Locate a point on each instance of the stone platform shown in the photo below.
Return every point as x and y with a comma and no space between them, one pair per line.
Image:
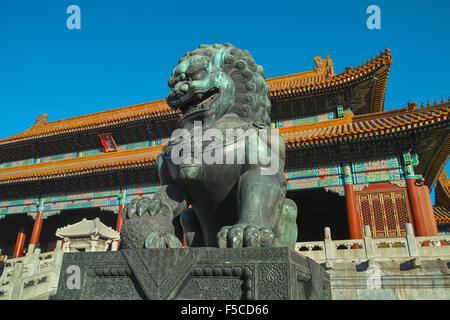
193,273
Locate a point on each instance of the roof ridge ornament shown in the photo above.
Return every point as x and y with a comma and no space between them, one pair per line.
324,66
411,106
41,121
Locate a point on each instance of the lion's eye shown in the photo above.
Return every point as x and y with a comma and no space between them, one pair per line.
198,75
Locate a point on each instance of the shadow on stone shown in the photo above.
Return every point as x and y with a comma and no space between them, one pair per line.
410,264
363,266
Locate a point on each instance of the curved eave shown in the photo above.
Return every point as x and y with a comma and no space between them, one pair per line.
94,121
438,163
346,129
282,88
442,190
81,166
441,214
362,126
380,125
380,89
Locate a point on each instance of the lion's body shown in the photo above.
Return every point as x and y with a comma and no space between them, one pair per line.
237,203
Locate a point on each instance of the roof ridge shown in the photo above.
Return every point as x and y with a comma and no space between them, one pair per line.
402,111
321,76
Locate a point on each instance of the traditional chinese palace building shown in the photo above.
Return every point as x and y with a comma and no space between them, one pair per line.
350,163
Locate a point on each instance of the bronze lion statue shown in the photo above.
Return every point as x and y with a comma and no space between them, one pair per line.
220,91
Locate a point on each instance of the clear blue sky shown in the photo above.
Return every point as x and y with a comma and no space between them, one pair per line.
125,50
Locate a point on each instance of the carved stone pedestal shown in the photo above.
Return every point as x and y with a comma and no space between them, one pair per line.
193,273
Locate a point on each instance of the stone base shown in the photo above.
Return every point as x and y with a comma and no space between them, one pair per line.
193,273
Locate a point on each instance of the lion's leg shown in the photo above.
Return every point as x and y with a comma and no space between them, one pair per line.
260,198
286,229
149,222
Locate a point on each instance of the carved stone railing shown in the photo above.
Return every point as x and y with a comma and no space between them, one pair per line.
368,247
31,277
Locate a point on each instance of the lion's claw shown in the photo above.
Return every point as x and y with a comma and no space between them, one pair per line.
222,237
239,236
235,237
162,239
138,207
252,236
154,207
267,237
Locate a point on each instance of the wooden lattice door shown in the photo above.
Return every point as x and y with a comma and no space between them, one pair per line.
385,212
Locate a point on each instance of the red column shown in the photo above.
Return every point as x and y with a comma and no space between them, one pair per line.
122,203
19,243
419,213
413,196
354,222
427,209
36,228
119,222
352,212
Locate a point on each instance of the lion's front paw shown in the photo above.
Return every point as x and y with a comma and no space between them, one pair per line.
137,207
162,239
147,223
241,235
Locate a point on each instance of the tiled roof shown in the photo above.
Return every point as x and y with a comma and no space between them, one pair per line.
433,156
347,128
442,190
86,228
441,214
322,78
90,121
84,165
353,127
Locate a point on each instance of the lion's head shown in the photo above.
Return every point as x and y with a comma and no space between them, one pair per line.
214,80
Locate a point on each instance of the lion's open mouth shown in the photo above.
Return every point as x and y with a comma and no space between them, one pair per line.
199,102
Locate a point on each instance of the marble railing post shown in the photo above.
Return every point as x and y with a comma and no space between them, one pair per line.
16,282
114,245
369,246
330,250
411,241
59,244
